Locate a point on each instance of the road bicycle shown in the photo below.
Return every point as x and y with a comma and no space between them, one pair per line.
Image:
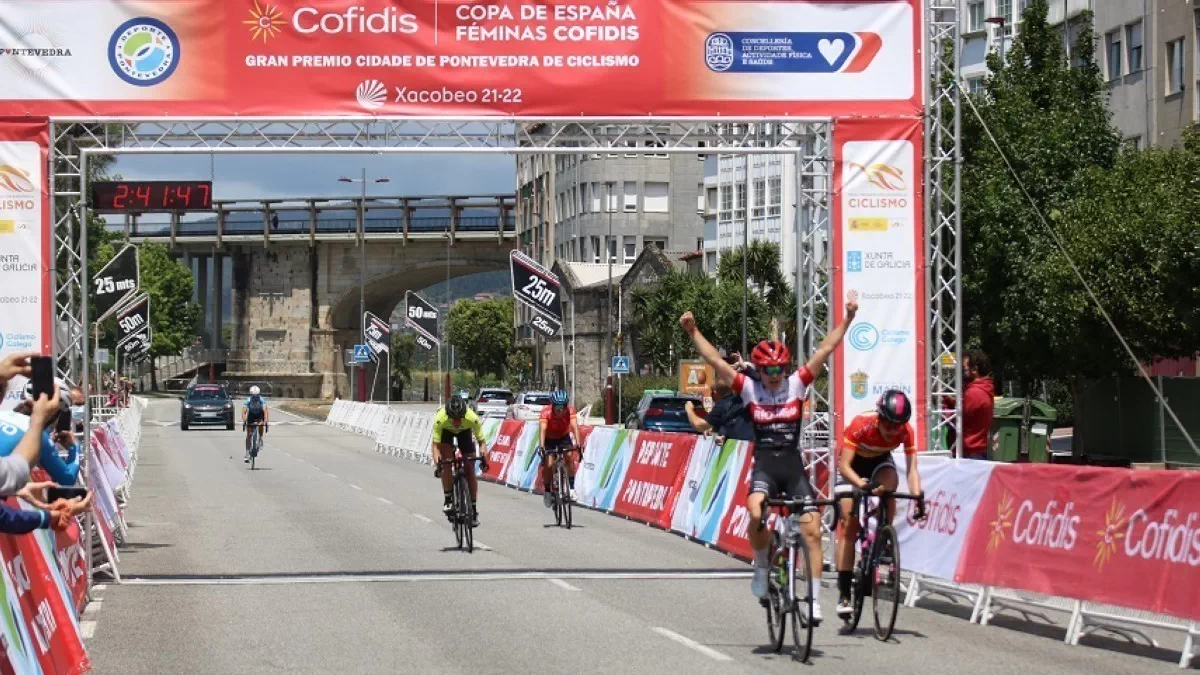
789,589
877,568
255,441
560,487
460,514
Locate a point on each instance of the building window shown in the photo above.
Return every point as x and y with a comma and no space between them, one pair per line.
612,249
700,198
612,196
1133,143
739,201
630,196
595,249
660,244
759,207
1004,11
1133,38
584,202
630,246
656,199
1174,67
775,195
974,85
726,202
1112,43
975,16
597,195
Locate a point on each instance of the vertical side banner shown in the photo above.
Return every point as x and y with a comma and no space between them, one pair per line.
25,232
878,250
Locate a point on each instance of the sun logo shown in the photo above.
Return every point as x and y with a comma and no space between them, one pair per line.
1002,522
264,22
15,179
1114,523
883,176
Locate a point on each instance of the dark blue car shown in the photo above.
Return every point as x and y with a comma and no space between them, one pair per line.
664,411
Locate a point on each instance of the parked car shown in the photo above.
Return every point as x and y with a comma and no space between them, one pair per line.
663,410
493,402
206,404
528,406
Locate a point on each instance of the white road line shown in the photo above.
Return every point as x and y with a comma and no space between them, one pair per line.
421,518
409,577
482,546
87,629
563,585
100,587
385,501
692,644
331,475
354,486
93,607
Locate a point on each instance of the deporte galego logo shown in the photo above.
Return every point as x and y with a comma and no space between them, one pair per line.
144,51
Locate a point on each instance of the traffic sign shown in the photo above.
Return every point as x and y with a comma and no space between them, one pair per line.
362,353
379,335
421,317
101,355
116,283
620,365
538,288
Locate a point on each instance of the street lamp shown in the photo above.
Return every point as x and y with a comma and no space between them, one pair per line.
1001,22
362,252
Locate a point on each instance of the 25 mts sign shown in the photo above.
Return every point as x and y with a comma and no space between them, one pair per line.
539,289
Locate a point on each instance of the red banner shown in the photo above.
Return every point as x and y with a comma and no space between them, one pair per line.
655,477
57,644
68,550
1127,538
425,57
733,535
500,454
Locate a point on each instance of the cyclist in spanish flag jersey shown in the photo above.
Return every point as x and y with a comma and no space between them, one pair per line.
776,405
559,429
865,458
455,423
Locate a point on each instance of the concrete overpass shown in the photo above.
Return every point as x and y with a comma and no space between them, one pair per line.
286,272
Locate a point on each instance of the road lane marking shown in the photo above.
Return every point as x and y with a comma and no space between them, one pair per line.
87,629
692,644
482,546
385,501
330,475
413,576
563,585
93,607
354,486
421,518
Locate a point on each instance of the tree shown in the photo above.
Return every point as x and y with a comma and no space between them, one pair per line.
482,333
404,349
763,269
1052,122
519,367
173,315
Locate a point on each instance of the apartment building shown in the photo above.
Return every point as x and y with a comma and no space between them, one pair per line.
758,205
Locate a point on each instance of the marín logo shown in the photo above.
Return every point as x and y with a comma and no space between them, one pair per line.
858,384
371,94
1002,522
264,22
1114,522
143,51
883,176
15,179
718,52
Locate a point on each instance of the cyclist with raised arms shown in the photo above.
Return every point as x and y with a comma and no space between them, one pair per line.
865,460
456,423
559,429
775,403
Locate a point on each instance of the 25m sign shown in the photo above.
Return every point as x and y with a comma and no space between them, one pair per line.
117,282
540,289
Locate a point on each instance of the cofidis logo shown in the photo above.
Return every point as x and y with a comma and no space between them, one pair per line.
267,21
144,51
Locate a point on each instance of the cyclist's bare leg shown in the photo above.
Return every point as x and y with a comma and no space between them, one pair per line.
890,480
844,549
472,482
547,471
573,462
810,528
446,452
759,539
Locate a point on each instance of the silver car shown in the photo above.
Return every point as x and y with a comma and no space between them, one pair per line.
528,406
493,402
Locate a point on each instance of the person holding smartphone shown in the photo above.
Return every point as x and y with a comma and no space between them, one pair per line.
43,420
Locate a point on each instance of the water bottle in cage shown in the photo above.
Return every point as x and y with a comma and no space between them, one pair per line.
793,528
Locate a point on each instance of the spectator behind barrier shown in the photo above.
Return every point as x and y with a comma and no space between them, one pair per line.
22,445
728,417
979,404
55,430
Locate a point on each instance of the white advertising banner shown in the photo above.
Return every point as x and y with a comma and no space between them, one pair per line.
24,245
953,489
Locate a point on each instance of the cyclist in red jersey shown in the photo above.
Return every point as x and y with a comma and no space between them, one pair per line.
865,458
559,428
776,405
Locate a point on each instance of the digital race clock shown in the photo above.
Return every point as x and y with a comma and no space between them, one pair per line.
146,196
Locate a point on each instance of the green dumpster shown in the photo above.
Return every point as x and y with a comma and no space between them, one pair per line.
1010,424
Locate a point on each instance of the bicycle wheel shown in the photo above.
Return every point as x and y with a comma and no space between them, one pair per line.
564,493
885,581
774,603
556,496
464,512
253,448
858,593
801,598
456,514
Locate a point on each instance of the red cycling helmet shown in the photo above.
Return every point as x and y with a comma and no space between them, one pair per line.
770,353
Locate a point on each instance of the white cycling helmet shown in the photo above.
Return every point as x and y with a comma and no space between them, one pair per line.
255,391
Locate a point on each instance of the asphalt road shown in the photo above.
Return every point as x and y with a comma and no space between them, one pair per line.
333,558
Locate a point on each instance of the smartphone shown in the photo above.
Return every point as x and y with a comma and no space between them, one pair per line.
43,376
56,493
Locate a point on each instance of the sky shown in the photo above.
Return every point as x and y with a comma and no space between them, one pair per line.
255,176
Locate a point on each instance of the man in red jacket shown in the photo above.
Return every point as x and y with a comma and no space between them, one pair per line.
978,404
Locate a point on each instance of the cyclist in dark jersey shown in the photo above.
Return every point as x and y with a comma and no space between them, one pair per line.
776,404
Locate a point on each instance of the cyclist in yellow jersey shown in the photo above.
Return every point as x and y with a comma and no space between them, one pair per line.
455,423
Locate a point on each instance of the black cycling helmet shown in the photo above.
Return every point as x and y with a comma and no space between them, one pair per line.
456,407
894,407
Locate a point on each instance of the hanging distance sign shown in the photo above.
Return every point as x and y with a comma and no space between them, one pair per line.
116,282
422,318
134,318
539,289
378,335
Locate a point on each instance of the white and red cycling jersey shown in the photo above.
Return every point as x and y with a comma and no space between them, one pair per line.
776,414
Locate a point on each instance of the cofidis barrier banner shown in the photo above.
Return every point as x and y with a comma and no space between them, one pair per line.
457,57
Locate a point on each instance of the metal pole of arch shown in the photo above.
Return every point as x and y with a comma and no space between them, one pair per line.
746,256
